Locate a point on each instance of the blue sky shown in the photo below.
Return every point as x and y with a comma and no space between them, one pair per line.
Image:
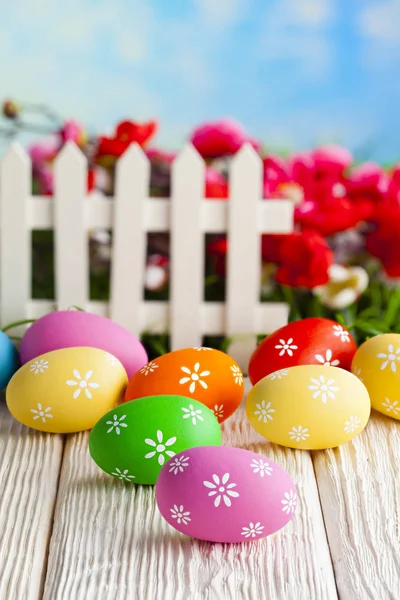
295,72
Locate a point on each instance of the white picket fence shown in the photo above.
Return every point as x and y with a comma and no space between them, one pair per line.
130,214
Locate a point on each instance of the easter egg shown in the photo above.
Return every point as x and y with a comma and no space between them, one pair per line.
312,341
204,374
66,390
133,441
73,328
9,359
309,406
377,364
225,494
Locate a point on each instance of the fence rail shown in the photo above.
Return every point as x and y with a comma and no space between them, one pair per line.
130,214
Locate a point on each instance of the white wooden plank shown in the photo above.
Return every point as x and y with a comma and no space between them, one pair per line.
359,488
244,253
29,467
129,238
15,237
186,249
109,540
71,240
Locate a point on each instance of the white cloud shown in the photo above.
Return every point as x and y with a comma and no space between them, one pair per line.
221,13
312,13
380,21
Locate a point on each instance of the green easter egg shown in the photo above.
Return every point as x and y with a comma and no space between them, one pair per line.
133,441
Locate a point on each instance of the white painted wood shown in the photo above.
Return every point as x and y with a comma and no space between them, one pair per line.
71,241
359,486
29,467
15,237
129,241
186,249
110,542
244,253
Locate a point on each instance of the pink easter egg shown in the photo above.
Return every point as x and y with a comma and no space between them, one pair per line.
228,495
76,328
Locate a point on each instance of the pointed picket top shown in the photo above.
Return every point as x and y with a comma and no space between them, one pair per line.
15,157
188,158
133,159
246,158
70,155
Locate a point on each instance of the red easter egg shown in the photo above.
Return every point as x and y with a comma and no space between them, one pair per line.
312,341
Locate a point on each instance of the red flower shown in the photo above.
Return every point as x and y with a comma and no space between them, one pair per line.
218,249
304,260
275,175
126,133
383,242
216,185
328,217
220,138
332,159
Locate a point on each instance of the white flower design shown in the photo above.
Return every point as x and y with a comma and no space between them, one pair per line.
180,515
237,374
278,374
327,360
357,373
264,411
391,406
38,366
116,424
221,489
219,411
259,466
252,530
160,447
390,358
338,331
199,348
192,413
149,368
194,377
111,359
299,434
179,464
123,475
286,347
289,502
83,384
42,413
351,425
323,388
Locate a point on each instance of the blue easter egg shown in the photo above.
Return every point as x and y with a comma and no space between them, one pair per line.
9,360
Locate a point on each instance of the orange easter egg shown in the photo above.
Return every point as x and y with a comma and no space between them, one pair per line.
204,374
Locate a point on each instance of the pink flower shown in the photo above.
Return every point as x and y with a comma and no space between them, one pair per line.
220,138
72,132
45,180
216,185
275,175
43,152
160,155
301,169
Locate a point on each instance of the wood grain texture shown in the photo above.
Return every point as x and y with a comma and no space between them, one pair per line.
359,485
29,467
110,542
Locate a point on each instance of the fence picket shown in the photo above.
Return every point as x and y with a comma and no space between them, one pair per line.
15,236
71,240
187,249
129,241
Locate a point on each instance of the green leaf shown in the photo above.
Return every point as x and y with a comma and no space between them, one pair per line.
392,308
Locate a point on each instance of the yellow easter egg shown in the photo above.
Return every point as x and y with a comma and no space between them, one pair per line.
67,390
377,364
309,406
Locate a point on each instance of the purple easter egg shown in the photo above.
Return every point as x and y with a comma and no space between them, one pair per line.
221,494
76,328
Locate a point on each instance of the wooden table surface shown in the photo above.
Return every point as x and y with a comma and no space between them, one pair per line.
68,531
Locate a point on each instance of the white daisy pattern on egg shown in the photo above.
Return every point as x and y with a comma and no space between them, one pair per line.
179,464
218,411
278,374
160,447
194,377
261,467
252,530
39,366
179,513
111,359
193,414
357,372
221,489
389,358
237,374
82,384
286,347
116,424
200,348
327,359
323,389
299,434
338,331
289,502
123,475
40,412
264,411
352,424
149,368
391,407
